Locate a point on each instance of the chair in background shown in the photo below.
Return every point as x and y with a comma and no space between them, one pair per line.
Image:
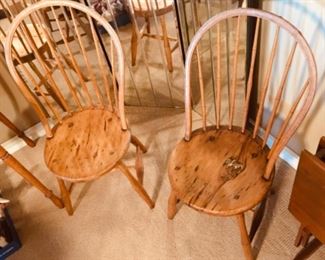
12,8
227,168
13,163
90,134
146,10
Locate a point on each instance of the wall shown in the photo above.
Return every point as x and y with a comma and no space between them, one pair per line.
309,17
13,104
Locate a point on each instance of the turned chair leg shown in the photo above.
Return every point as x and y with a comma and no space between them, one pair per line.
65,197
135,184
172,202
134,45
168,52
244,237
257,219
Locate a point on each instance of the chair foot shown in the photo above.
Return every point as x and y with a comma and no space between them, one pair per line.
136,142
246,245
257,219
135,184
172,202
65,197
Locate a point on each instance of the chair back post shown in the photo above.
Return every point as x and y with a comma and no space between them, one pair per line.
32,13
298,109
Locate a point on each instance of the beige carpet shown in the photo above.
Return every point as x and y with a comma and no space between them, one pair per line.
112,222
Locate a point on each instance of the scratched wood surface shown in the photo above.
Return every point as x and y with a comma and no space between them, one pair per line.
219,172
80,157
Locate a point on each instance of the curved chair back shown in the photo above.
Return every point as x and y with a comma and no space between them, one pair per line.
272,90
76,72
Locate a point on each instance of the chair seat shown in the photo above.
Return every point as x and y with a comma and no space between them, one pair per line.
86,145
219,172
161,7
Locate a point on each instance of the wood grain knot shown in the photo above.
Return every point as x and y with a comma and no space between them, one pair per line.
233,167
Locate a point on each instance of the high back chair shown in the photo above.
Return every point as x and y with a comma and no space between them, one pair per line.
12,8
89,135
146,10
227,168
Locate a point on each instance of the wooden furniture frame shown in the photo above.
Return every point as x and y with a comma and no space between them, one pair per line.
226,169
145,9
12,8
307,200
90,134
13,163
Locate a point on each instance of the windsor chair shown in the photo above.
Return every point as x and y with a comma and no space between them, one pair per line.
146,9
89,136
227,168
12,8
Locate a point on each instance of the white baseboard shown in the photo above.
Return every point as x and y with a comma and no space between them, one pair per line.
16,143
36,131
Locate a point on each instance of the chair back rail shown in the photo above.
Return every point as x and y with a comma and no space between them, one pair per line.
297,109
74,70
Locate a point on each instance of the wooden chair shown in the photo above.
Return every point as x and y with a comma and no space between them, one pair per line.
13,163
146,9
12,8
90,134
227,169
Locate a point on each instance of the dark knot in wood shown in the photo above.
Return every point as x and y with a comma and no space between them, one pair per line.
234,167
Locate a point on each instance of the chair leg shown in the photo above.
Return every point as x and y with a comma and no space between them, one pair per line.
244,237
147,19
136,142
65,197
168,52
303,236
134,45
172,201
308,250
135,184
139,165
257,219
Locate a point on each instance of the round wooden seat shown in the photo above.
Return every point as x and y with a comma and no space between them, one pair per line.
219,172
161,7
86,145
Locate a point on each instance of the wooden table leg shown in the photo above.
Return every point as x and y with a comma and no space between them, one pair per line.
13,163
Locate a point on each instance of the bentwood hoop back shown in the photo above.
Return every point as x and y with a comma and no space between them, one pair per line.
90,135
226,168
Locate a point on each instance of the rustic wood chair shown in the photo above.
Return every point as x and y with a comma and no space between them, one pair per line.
13,163
12,8
226,169
89,136
146,9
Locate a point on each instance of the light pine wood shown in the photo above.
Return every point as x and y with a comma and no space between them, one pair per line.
234,75
172,201
90,135
18,132
227,169
13,163
219,172
244,237
86,145
146,9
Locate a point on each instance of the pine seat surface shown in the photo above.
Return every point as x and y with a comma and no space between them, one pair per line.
86,145
203,177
